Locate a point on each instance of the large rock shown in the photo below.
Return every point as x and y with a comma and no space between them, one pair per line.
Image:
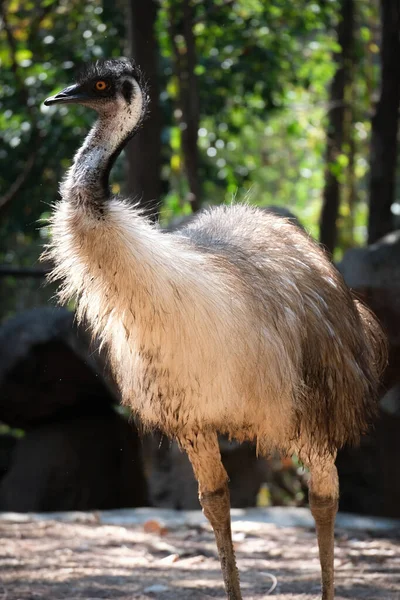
77,452
173,485
374,267
47,368
7,445
374,274
367,477
91,462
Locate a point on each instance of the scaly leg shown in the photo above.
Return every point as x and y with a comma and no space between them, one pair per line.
324,493
203,452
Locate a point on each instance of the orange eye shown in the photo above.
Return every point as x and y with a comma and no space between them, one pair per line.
100,86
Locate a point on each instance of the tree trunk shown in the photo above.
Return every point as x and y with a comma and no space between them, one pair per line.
385,125
185,60
336,126
143,153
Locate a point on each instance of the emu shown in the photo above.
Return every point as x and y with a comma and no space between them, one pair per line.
237,324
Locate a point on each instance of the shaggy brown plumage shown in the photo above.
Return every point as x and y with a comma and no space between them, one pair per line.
237,324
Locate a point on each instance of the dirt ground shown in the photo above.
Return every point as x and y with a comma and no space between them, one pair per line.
90,560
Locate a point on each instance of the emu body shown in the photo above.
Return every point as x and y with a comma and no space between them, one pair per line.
237,324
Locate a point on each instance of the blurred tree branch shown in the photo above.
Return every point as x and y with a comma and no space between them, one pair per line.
209,12
23,94
143,153
41,13
19,182
385,125
22,272
337,131
181,20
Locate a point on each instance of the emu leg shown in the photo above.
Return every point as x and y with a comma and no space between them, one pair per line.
324,492
204,454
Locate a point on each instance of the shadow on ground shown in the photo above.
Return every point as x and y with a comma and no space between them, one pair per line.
53,560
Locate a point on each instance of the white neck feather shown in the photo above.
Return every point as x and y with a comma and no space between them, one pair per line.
87,180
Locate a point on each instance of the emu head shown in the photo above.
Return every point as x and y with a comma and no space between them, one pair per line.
107,86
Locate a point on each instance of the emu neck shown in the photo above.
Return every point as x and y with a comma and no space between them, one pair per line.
87,182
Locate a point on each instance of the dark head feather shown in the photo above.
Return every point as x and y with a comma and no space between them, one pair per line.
110,68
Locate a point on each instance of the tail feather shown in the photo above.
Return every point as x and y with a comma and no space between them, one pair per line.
342,389
377,341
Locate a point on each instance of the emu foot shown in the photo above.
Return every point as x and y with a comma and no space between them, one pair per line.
216,507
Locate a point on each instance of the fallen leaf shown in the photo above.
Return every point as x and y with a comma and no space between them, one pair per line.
153,526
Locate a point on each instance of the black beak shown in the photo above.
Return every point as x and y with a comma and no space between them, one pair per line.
71,94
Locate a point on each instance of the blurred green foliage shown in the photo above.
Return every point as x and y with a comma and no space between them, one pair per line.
264,70
261,66
51,37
